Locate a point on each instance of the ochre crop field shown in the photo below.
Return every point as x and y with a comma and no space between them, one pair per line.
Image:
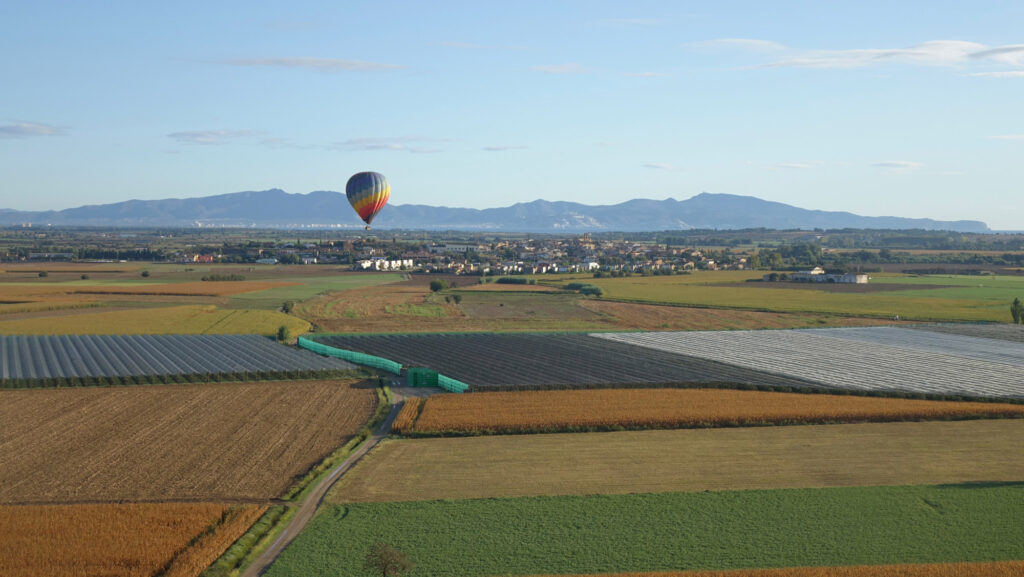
188,319
407,416
118,539
863,454
994,569
246,441
676,408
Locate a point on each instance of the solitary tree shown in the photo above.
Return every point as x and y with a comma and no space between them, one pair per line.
284,334
437,285
1017,310
387,560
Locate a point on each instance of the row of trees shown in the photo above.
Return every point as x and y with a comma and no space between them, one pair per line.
1017,310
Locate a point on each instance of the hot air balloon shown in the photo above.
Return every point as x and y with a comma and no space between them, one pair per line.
367,192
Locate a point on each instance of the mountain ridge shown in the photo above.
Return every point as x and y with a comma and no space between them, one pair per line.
275,208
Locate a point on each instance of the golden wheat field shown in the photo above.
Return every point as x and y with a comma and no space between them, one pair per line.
246,441
675,408
993,569
407,416
174,539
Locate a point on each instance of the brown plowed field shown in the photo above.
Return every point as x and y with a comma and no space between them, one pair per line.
119,539
237,441
994,569
522,411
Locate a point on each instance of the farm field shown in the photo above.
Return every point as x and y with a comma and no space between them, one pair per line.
118,539
687,460
965,301
210,442
306,287
185,319
633,316
915,361
409,306
979,569
535,411
48,357
670,531
488,359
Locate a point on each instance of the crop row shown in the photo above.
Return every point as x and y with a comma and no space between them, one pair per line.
170,539
986,569
526,411
671,531
135,357
533,359
888,359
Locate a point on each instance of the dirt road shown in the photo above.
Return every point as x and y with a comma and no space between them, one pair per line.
309,507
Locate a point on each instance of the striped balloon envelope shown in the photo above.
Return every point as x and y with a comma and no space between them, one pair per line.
367,192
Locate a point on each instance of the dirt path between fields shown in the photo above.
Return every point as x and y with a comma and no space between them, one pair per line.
311,505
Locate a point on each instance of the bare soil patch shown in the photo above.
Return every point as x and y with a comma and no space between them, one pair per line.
237,441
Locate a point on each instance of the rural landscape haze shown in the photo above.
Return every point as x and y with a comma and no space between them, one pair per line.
572,288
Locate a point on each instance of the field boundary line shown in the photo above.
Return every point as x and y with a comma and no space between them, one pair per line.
309,507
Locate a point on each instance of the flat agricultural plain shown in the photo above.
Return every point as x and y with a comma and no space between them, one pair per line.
669,531
979,569
231,441
539,411
129,540
858,358
687,460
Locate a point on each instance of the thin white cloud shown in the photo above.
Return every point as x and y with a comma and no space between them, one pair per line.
648,74
1008,137
659,166
321,64
1012,54
751,44
395,144
502,148
28,130
1001,74
570,68
898,166
215,137
933,53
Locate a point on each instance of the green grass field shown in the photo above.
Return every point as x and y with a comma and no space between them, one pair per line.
970,298
669,531
272,299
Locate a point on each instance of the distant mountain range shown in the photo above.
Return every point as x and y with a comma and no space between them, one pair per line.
276,208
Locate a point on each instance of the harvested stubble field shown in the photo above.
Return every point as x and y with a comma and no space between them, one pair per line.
670,531
530,411
187,319
687,460
679,318
981,569
237,441
123,540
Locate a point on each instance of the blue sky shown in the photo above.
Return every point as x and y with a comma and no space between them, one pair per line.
878,108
